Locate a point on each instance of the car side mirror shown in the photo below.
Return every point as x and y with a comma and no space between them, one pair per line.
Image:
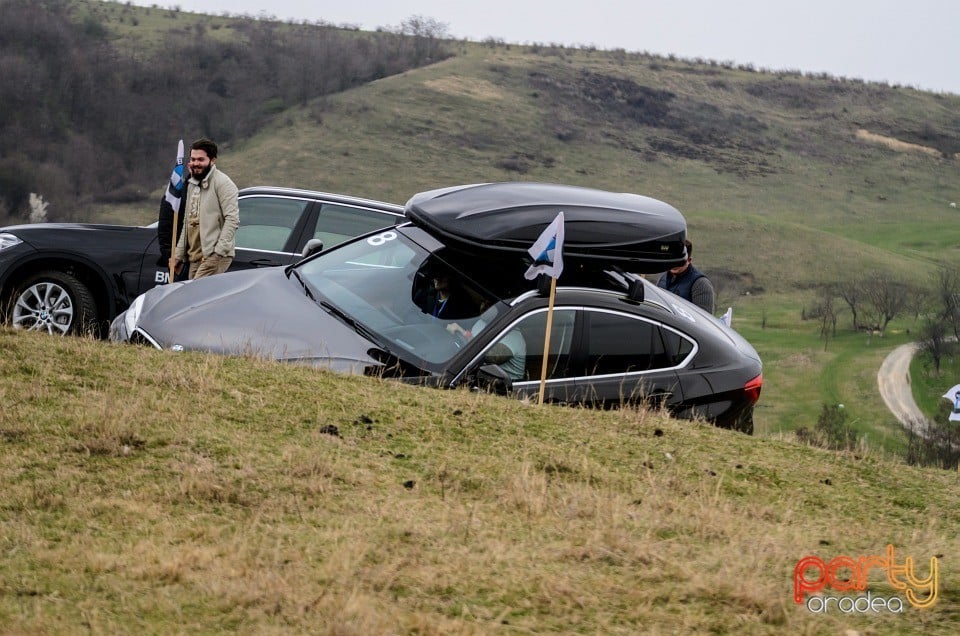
313,246
492,378
498,354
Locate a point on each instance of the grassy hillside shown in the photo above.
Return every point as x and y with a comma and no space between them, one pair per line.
725,157
157,492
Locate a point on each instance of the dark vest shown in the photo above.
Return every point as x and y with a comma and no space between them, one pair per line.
681,285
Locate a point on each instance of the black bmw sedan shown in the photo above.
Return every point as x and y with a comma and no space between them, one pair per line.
74,277
419,303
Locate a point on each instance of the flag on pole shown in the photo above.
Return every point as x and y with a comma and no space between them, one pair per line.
547,251
727,317
175,187
954,396
168,226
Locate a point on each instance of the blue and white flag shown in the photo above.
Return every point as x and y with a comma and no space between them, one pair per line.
175,187
727,317
547,251
954,396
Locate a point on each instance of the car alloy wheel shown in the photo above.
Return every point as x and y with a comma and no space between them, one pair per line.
54,302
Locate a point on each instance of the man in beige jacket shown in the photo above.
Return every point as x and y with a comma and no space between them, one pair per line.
212,215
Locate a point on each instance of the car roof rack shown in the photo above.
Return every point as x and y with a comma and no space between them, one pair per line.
631,283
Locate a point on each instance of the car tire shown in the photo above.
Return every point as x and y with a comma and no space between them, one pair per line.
55,302
744,423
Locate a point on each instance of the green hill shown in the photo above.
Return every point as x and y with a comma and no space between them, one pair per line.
157,492
737,165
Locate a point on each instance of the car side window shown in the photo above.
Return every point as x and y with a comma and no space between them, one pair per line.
617,343
677,347
337,223
267,222
528,336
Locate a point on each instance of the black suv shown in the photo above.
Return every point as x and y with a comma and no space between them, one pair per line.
72,277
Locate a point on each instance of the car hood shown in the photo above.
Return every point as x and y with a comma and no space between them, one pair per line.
51,235
260,313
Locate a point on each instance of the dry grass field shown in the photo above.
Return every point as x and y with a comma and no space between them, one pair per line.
155,492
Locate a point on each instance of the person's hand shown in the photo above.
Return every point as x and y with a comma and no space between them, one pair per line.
176,265
456,329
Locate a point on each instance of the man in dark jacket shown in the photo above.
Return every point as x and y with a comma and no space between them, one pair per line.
689,282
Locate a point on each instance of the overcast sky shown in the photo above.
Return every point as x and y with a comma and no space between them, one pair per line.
908,42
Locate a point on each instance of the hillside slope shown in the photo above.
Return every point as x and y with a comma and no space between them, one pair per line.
160,492
740,153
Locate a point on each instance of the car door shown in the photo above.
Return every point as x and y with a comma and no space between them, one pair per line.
627,358
524,339
271,230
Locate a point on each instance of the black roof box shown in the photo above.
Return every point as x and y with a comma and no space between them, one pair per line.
638,233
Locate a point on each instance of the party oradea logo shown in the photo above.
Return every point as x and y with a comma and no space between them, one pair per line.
814,578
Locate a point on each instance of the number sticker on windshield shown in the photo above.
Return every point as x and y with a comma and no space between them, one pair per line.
380,239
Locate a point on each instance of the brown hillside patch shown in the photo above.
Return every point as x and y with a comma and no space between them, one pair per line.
471,87
895,144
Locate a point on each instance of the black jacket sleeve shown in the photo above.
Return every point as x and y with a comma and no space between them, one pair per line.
165,238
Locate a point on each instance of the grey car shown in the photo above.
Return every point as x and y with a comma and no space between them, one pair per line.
369,306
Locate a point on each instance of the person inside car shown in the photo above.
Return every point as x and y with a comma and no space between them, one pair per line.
511,348
443,299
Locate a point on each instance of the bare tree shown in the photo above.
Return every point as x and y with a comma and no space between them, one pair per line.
887,297
933,340
56,70
851,291
825,312
427,34
948,294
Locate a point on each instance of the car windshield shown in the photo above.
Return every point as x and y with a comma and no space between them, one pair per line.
411,300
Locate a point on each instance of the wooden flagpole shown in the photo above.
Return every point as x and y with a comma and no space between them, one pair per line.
546,339
173,246
171,264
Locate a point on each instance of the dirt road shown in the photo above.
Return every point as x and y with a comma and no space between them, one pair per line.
893,379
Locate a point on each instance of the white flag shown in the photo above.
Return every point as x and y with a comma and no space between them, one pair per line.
727,317
547,251
954,396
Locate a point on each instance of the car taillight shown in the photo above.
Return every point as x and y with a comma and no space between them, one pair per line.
752,389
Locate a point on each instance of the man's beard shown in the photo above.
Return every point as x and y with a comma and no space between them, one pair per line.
201,176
